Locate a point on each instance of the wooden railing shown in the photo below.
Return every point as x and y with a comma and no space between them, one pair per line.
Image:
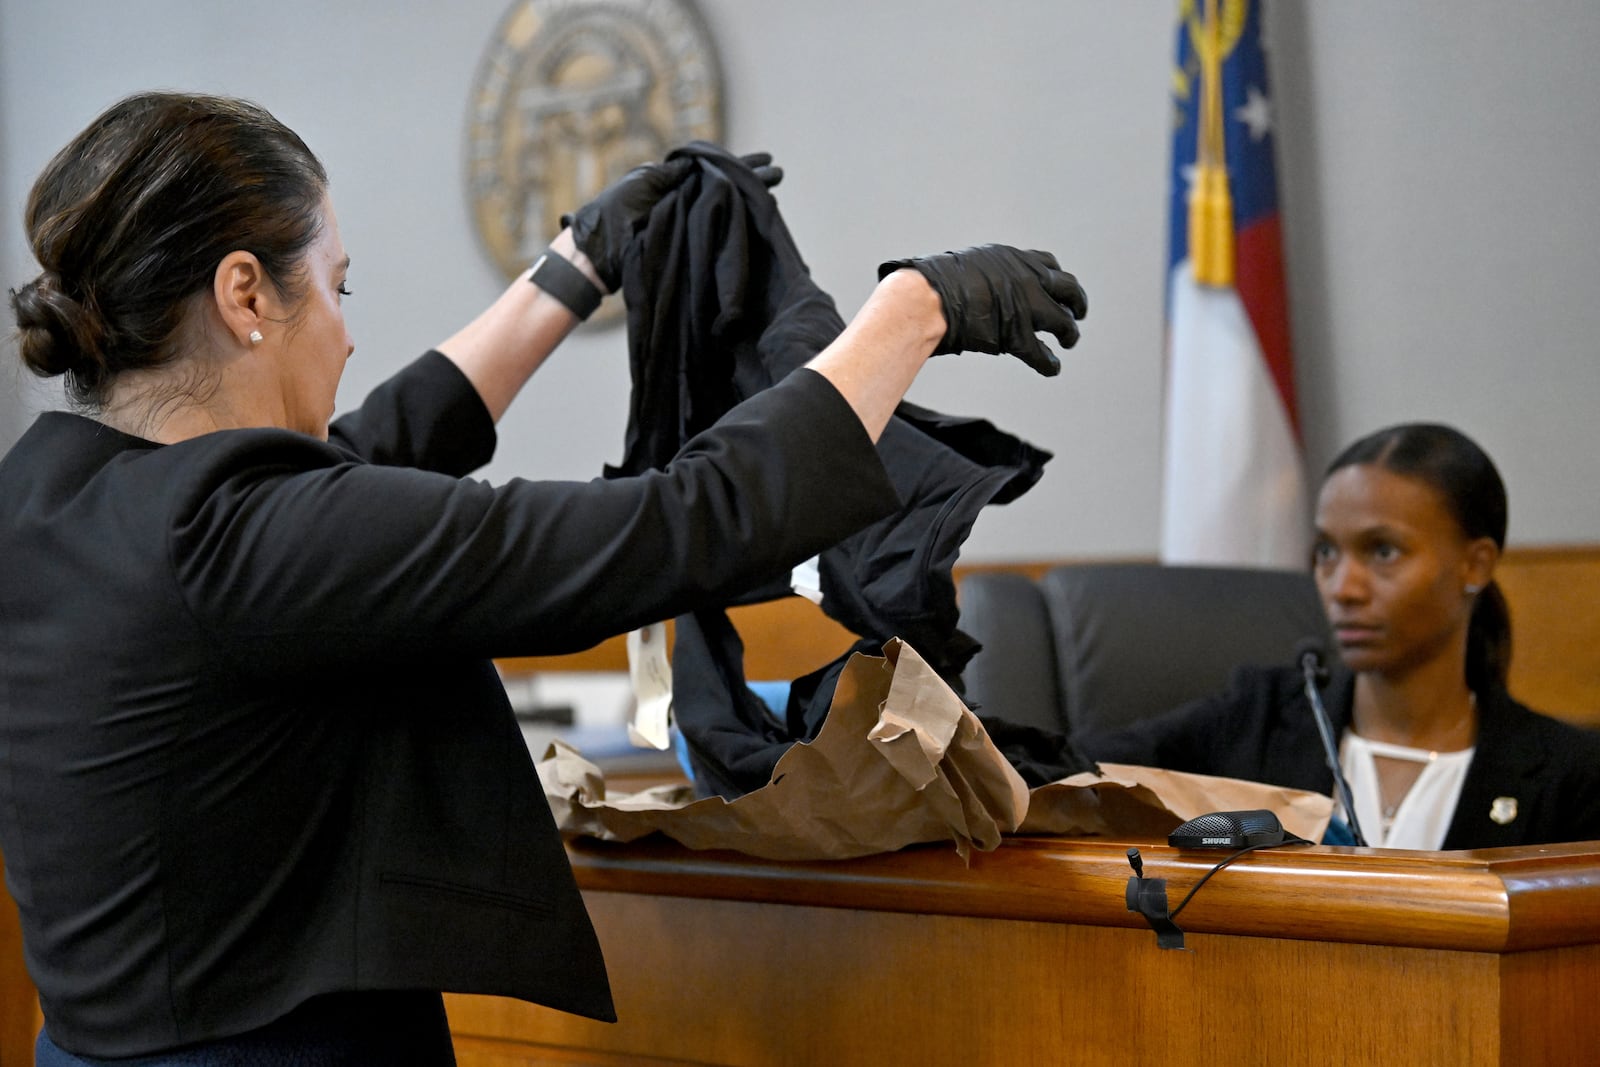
1029,955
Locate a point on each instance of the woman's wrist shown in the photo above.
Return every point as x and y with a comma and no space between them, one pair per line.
558,274
916,302
564,245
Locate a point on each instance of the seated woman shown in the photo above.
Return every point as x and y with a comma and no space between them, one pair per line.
1410,523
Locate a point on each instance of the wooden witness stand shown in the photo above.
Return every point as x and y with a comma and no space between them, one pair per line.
1296,956
1030,956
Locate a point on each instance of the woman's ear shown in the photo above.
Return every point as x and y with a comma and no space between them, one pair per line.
242,292
1482,555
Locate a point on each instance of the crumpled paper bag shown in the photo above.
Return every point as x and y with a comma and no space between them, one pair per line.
901,760
1124,799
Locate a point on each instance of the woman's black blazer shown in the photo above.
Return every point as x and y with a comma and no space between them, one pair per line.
252,744
1533,780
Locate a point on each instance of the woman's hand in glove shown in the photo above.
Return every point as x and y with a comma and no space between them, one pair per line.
996,299
603,228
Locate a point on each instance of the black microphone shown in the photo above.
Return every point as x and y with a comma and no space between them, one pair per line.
1308,655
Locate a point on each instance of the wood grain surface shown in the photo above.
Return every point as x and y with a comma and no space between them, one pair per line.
1319,956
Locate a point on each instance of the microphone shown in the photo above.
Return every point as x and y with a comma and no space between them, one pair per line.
1309,656
1258,828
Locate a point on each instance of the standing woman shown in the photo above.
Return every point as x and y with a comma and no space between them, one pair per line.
1410,521
261,794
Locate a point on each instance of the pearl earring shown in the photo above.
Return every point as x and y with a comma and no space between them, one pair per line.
1472,590
255,337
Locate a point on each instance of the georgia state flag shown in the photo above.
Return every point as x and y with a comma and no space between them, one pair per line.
1233,490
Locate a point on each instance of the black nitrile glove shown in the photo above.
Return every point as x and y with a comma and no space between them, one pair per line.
996,298
761,163
604,226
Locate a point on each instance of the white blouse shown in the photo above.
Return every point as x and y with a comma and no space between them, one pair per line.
1422,817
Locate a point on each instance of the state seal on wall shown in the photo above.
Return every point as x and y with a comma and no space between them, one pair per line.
572,94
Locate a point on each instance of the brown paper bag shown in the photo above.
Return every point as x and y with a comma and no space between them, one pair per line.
1135,801
900,760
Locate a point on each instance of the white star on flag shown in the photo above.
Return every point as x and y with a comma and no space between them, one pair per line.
1256,113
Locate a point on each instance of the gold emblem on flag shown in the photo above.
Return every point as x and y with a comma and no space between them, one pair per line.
1213,34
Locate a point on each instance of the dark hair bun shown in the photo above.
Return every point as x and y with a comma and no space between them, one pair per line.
55,333
131,218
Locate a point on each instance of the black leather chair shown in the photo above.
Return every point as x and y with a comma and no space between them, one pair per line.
1090,647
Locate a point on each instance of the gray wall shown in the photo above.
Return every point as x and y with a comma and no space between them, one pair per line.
1438,162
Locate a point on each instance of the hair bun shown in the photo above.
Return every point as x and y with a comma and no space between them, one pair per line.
57,334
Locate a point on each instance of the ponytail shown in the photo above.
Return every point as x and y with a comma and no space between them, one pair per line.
1489,641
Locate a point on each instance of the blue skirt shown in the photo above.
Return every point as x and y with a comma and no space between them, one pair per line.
335,1030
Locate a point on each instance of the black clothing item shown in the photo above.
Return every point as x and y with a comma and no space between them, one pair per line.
1261,729
253,748
720,307
735,741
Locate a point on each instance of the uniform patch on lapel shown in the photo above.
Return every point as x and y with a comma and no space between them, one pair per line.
1503,810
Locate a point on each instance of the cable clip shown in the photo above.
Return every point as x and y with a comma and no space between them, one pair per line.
1148,897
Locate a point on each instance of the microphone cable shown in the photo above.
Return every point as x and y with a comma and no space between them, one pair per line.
1148,896
1290,840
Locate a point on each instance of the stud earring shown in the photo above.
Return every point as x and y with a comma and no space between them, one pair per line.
255,337
1472,590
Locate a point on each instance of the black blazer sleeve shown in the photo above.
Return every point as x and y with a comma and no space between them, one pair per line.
427,416
297,560
1260,728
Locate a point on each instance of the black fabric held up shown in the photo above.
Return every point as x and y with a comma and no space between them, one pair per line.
720,306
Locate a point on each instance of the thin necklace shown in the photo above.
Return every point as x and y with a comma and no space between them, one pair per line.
1390,810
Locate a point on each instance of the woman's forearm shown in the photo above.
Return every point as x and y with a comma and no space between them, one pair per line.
500,349
878,355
